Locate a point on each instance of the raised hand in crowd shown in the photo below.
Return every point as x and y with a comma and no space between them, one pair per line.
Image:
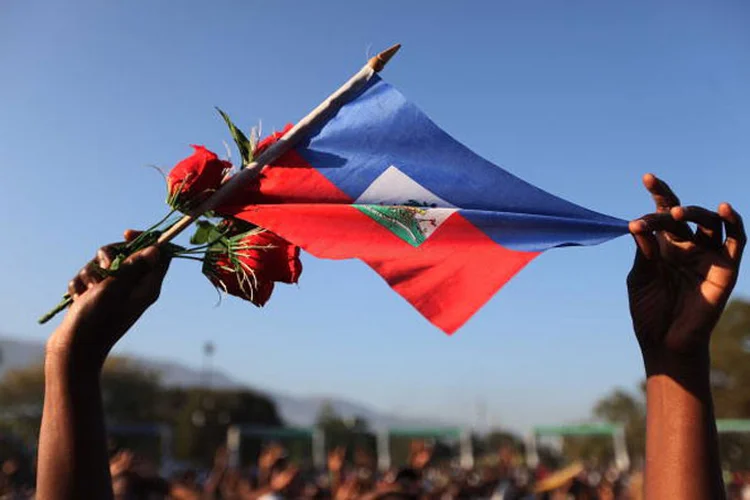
679,284
268,459
218,471
73,461
335,467
420,454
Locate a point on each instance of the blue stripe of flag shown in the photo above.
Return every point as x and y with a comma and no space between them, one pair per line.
381,128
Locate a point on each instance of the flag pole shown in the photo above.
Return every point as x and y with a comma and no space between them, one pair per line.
317,116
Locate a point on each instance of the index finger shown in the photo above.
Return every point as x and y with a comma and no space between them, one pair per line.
664,197
657,222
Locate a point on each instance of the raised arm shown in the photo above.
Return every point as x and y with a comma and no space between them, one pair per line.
73,461
678,287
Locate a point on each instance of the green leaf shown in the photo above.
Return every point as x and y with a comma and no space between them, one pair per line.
202,233
116,263
243,143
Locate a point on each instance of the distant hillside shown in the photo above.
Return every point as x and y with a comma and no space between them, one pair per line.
17,354
295,410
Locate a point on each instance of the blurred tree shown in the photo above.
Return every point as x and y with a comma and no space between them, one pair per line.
621,407
591,449
327,415
21,398
132,395
498,440
730,362
499,447
201,418
352,433
129,395
730,379
629,409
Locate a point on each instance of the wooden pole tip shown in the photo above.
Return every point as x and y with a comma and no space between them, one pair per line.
378,62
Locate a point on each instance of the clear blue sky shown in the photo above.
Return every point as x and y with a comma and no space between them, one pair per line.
580,98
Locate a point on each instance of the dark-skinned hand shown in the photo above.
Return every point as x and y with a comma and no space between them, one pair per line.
681,279
105,307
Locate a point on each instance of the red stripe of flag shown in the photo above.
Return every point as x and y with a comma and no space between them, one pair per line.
447,278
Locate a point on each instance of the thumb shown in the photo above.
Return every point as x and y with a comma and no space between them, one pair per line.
646,262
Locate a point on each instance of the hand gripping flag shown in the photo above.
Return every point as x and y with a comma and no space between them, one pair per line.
380,182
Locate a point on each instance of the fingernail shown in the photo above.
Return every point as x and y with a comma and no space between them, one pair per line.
637,226
677,212
103,261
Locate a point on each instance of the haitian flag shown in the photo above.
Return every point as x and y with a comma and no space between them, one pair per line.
379,181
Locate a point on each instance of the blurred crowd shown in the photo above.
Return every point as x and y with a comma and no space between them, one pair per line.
678,287
274,477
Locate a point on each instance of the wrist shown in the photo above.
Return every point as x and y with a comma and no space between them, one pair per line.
61,353
689,369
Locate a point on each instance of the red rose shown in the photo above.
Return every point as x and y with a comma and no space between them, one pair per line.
252,264
276,259
242,283
193,179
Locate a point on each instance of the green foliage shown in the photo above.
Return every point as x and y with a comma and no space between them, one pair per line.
730,378
132,395
354,434
629,409
201,418
620,407
596,449
21,399
205,231
498,446
497,440
129,395
244,145
730,362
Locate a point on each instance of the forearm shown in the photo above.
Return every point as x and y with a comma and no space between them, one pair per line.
682,454
336,480
264,477
73,461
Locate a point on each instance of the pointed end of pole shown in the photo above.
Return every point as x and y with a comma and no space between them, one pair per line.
378,62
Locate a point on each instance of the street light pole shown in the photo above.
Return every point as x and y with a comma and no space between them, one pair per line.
208,352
